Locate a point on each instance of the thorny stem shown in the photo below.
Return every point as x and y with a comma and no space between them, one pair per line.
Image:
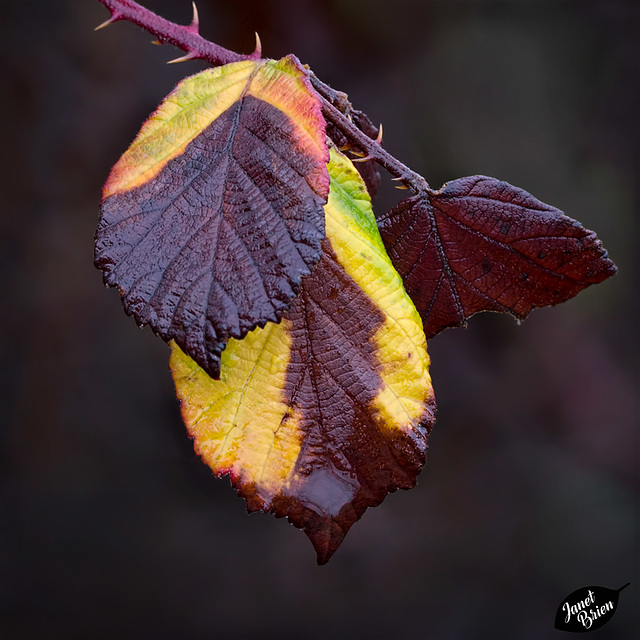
373,149
186,38
336,107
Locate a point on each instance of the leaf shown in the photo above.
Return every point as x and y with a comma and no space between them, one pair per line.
215,212
320,416
587,609
479,244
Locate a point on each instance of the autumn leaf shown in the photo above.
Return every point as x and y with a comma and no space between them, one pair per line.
215,212
320,416
479,244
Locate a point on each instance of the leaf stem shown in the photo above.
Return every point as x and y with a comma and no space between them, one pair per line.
374,151
335,104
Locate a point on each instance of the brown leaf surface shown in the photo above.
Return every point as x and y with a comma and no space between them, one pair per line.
214,214
479,244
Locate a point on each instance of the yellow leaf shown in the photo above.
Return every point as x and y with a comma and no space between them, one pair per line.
320,416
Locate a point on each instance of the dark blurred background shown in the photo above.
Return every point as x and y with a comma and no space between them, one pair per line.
111,527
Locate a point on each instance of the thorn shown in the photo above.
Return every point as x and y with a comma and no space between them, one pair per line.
365,159
184,58
397,179
257,53
156,42
114,18
379,138
401,187
358,154
196,18
345,147
195,21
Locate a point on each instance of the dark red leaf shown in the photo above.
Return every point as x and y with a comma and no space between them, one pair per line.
479,244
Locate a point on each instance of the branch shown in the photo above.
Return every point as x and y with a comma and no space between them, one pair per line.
336,107
186,38
371,147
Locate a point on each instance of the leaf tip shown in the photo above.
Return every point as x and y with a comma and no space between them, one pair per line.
325,540
322,559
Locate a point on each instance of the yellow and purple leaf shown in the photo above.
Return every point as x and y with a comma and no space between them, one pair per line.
480,244
214,214
318,417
